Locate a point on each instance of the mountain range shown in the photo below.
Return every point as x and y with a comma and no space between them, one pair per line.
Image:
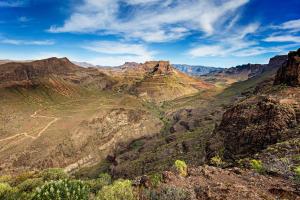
236,129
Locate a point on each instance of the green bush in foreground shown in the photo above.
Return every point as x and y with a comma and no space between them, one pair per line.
257,166
97,184
54,174
181,167
62,190
119,190
30,184
7,192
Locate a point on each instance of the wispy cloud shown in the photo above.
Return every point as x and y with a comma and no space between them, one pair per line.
13,3
116,53
290,25
229,43
150,20
27,42
23,19
283,38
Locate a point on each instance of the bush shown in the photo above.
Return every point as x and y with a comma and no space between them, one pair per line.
7,192
30,184
156,179
257,166
119,190
168,193
181,167
97,184
297,172
216,161
54,174
62,190
5,179
23,177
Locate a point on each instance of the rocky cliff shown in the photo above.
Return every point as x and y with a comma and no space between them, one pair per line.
251,126
289,73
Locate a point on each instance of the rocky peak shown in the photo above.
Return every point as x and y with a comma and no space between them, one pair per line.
159,67
289,73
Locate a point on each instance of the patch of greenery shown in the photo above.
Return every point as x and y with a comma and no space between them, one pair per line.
217,161
54,174
95,185
181,167
156,179
62,190
257,166
297,172
119,190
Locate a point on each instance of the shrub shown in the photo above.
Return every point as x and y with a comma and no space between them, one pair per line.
156,179
30,184
54,174
169,192
97,184
216,161
257,166
23,177
7,192
119,190
297,172
62,190
181,167
6,179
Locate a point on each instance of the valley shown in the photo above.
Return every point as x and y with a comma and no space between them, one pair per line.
136,120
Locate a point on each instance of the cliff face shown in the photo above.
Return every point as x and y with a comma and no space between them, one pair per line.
289,73
251,126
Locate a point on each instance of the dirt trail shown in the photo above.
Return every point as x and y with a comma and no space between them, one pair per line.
25,134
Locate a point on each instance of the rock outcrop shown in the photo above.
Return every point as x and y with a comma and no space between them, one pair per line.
289,73
250,127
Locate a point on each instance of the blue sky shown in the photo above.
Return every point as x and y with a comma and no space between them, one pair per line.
220,33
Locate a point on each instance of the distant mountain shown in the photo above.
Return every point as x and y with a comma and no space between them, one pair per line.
196,70
244,72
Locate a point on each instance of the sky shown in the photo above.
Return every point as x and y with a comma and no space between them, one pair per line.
219,33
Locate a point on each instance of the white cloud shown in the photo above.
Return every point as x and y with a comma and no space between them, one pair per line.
283,38
27,42
12,3
153,20
116,53
228,43
293,24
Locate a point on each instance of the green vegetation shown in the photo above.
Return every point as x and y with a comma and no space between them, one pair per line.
181,167
156,179
216,161
257,166
5,190
95,185
297,172
119,190
54,174
62,190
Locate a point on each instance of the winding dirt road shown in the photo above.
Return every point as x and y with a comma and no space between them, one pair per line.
25,134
